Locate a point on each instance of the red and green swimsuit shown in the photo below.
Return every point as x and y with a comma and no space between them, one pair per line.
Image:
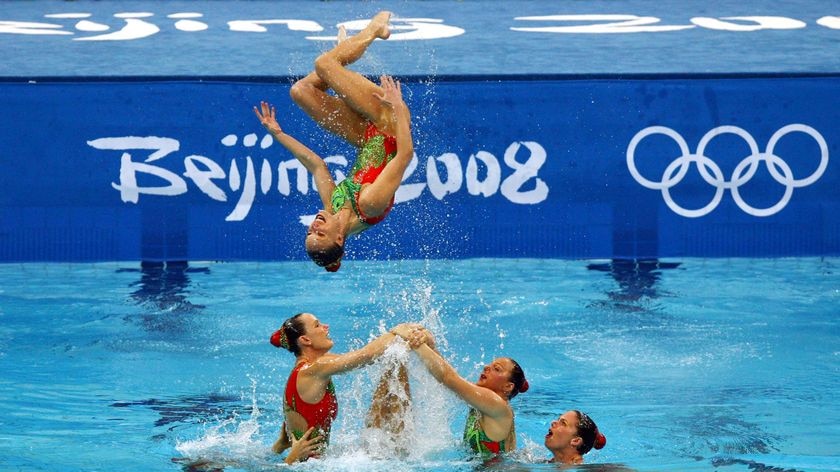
320,415
477,439
376,152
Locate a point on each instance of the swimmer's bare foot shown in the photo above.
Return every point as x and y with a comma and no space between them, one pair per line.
379,24
342,34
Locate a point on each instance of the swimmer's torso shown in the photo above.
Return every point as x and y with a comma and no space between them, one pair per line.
378,149
477,440
301,415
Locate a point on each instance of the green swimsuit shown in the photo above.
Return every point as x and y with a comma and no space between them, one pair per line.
375,154
478,441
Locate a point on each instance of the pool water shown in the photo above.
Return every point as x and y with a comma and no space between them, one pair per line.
692,364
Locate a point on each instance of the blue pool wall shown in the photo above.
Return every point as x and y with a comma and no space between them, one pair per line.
621,129
552,166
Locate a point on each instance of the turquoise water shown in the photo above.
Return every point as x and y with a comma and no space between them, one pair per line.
727,365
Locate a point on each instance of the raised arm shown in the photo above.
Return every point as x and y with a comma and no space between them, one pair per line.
376,197
329,365
482,399
311,161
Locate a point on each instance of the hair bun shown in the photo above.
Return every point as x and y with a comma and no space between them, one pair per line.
333,267
600,441
276,338
525,386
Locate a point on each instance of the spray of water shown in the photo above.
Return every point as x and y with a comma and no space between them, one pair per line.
424,429
232,442
418,437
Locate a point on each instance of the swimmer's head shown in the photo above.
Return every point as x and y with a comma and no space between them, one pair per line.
325,241
288,334
504,376
303,329
329,258
573,431
588,432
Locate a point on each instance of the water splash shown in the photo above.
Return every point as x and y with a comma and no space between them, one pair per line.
424,414
233,441
239,442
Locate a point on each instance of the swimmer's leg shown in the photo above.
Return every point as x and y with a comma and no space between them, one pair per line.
391,400
354,88
349,49
330,112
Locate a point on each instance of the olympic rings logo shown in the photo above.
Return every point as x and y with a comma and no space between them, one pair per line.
712,174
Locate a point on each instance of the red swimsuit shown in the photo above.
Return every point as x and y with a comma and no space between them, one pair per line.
320,415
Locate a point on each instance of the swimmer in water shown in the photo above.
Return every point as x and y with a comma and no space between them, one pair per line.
571,436
309,400
373,118
489,428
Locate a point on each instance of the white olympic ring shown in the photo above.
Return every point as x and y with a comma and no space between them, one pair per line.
712,174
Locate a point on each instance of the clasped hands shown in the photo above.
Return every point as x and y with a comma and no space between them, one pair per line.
414,334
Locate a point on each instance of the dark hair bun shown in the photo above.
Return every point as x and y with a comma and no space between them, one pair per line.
525,386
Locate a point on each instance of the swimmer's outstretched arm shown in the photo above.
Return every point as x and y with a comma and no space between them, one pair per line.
328,365
483,399
311,161
376,197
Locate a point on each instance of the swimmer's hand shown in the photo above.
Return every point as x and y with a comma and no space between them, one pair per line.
420,337
414,334
391,96
268,118
405,330
303,448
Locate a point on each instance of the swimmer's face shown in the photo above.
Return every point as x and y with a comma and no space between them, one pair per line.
563,432
496,376
317,333
324,232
